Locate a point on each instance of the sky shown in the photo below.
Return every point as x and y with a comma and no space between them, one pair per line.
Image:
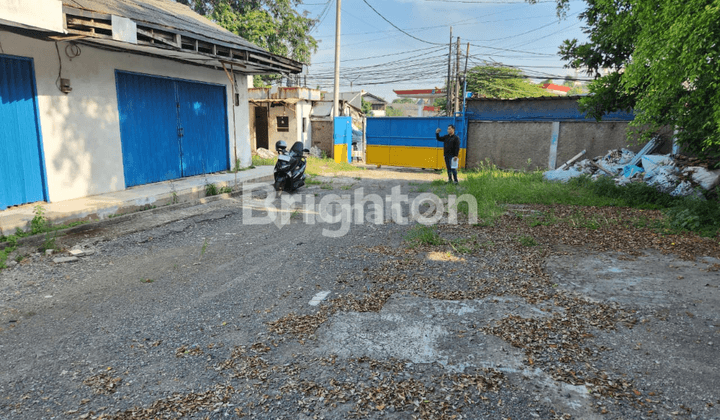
378,57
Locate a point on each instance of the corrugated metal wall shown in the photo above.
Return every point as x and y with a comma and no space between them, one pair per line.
411,142
22,171
203,119
170,128
148,129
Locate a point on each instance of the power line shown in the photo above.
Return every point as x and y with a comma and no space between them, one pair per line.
398,28
384,55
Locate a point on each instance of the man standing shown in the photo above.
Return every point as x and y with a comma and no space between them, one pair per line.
451,149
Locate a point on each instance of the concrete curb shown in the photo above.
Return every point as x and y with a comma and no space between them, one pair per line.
99,217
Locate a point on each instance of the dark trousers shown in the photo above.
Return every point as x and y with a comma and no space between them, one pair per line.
451,172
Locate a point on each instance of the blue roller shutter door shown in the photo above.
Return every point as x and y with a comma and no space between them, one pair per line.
148,129
22,172
170,128
203,123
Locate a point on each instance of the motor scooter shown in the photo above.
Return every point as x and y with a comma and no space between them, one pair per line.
290,167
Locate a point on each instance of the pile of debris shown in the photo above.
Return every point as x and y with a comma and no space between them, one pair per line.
264,153
676,175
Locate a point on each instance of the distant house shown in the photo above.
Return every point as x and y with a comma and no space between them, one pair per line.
377,104
556,89
322,123
100,95
281,114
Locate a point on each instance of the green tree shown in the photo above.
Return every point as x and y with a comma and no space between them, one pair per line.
663,61
393,112
502,82
274,25
403,101
366,107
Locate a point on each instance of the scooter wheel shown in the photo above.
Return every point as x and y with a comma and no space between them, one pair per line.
279,184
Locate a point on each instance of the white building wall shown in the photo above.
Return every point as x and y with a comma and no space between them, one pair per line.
81,130
302,111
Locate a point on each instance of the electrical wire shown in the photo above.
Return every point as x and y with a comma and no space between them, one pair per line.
398,28
57,81
321,16
384,55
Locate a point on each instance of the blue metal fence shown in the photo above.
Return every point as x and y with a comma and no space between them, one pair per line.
411,142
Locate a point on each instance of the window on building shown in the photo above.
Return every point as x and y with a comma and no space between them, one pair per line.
283,123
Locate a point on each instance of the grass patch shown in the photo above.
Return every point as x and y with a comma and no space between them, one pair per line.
318,166
312,181
258,161
526,240
493,188
424,235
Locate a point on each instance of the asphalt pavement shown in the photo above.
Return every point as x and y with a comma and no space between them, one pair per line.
305,307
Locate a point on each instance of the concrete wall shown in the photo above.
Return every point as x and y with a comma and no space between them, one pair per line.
322,135
534,109
508,133
509,145
274,135
81,130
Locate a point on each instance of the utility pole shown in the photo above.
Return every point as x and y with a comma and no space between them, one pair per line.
447,96
467,55
336,94
457,78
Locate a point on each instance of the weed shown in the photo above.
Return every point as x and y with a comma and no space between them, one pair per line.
20,257
49,242
211,189
526,240
326,186
225,190
487,245
238,168
312,181
493,188
175,198
258,161
424,235
39,223
146,280
204,248
4,256
346,187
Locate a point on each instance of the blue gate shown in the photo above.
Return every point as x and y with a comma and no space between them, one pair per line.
22,170
170,128
410,142
342,139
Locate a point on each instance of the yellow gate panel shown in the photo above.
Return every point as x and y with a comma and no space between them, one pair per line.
341,152
377,155
417,157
